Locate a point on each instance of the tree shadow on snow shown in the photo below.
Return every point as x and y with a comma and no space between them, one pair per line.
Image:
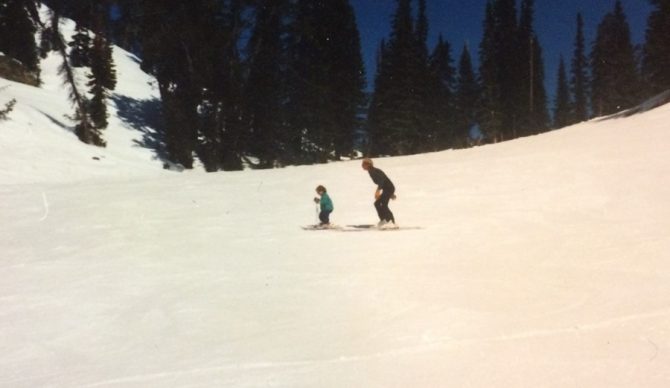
146,117
57,122
649,104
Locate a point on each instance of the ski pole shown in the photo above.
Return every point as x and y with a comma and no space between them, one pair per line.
316,214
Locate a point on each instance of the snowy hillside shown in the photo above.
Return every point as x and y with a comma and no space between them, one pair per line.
38,138
542,262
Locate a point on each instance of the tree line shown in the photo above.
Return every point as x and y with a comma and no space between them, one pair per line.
268,83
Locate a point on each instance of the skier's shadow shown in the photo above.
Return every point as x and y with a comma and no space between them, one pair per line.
146,117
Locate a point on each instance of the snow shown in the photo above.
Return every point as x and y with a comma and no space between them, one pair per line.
37,142
541,262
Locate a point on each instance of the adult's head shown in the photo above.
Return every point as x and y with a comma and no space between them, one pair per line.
367,164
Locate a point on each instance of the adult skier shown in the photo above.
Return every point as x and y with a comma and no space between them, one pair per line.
384,193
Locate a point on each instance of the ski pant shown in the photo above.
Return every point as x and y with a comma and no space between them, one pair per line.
324,216
382,206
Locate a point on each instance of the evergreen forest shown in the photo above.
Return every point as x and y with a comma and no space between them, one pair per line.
270,83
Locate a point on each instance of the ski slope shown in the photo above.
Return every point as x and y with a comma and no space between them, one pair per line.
542,262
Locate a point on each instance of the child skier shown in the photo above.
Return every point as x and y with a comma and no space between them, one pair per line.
325,205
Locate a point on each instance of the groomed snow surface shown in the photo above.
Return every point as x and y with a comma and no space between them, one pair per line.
542,262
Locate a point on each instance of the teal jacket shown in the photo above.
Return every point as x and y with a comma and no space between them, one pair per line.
325,203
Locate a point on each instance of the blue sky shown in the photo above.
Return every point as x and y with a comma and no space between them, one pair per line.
460,21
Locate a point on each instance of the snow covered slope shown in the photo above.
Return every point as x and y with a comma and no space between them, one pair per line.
37,140
542,262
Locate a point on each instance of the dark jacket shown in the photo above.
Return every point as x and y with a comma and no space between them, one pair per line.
381,180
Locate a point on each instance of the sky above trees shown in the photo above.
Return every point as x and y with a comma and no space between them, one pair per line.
461,21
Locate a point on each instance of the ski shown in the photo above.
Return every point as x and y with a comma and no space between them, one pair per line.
359,228
321,227
386,227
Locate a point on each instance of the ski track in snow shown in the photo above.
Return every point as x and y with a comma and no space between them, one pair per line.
46,207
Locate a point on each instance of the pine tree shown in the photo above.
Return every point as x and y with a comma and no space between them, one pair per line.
17,32
199,74
507,54
97,106
539,117
579,81
533,110
168,54
396,125
348,78
615,80
562,106
80,47
491,115
227,78
108,75
9,107
299,114
432,78
102,80
377,142
264,88
656,54
203,76
466,97
440,103
526,43
84,129
422,29
502,72
326,81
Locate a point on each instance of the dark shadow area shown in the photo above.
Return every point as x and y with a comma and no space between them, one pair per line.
649,104
146,117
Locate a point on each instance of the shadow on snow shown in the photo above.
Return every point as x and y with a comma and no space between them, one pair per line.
146,117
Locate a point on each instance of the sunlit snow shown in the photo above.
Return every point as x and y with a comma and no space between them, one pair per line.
542,262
